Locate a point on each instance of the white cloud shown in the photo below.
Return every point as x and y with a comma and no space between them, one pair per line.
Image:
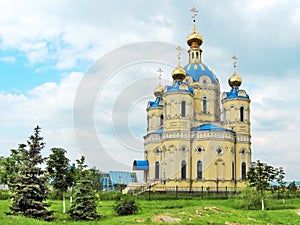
8,59
50,106
257,5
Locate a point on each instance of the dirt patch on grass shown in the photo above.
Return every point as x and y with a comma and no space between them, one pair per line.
298,212
167,219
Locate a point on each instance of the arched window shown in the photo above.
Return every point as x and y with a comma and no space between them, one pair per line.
204,106
197,55
243,171
157,171
199,170
183,106
183,170
193,55
161,119
242,114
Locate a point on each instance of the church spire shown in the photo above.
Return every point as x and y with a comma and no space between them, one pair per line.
179,73
159,90
194,40
235,80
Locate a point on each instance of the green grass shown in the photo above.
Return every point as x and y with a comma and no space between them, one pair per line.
184,209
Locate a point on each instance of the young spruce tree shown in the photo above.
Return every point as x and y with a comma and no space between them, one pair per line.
85,206
29,187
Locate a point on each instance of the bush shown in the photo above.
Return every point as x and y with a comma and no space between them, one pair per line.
4,195
249,198
125,207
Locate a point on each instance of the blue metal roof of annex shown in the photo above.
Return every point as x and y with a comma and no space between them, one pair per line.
202,127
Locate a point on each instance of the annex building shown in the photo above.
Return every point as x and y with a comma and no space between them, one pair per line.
196,136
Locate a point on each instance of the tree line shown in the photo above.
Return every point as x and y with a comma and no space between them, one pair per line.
30,184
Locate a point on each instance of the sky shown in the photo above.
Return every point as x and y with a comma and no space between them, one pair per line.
85,72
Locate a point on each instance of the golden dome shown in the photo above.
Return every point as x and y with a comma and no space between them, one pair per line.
194,38
179,73
235,80
158,91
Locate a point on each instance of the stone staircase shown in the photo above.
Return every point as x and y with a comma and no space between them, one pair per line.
138,188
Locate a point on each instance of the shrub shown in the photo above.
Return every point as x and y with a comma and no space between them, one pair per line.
248,199
4,195
125,207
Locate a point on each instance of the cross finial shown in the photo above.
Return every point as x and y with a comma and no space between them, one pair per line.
195,13
159,74
235,59
179,50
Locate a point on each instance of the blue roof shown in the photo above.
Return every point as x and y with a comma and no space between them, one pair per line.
176,88
197,70
120,177
210,127
159,131
234,93
155,104
140,165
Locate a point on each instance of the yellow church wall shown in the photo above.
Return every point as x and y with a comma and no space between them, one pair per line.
154,119
217,167
232,116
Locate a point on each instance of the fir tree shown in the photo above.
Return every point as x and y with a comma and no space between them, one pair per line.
29,187
85,206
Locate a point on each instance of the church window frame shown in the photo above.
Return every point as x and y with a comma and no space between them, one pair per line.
242,114
204,105
183,148
161,120
156,172
199,149
183,170
199,170
243,171
219,151
183,108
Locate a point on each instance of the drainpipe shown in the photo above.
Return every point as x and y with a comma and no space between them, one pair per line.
235,166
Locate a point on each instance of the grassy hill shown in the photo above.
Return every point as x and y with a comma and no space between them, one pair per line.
189,211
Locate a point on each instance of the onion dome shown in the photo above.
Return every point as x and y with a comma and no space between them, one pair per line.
198,70
158,91
178,74
235,80
194,39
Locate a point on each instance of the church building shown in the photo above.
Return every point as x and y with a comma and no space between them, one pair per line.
196,136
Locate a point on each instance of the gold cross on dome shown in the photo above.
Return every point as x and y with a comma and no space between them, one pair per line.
179,50
159,74
235,59
195,12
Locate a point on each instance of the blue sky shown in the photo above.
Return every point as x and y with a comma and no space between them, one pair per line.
48,47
